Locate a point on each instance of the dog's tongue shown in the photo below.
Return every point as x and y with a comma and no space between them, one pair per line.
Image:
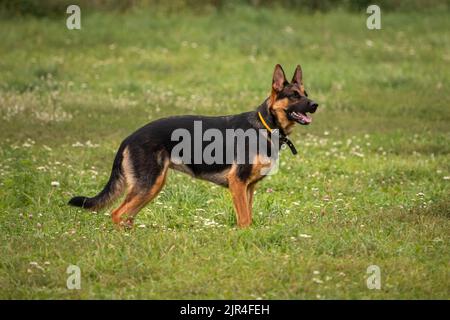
305,118
302,117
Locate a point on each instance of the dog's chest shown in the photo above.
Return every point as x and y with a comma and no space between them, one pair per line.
262,166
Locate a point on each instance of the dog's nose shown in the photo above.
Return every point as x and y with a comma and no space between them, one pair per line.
313,105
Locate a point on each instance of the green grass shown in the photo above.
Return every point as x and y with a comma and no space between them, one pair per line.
370,184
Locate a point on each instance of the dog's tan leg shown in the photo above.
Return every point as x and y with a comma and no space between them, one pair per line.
137,198
238,191
131,205
250,192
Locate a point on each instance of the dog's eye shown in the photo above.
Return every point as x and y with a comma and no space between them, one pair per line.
295,95
306,93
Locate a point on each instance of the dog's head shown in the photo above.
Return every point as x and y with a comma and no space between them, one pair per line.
289,102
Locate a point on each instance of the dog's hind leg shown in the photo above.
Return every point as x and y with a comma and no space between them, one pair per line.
145,178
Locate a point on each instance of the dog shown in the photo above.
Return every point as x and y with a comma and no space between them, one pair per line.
143,159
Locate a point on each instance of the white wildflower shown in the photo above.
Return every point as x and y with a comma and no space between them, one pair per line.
317,280
77,144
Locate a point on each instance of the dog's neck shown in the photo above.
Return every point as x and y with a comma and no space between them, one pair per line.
268,117
270,123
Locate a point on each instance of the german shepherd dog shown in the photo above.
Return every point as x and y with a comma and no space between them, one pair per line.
143,158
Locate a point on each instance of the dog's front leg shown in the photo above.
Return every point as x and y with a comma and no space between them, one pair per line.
250,193
238,191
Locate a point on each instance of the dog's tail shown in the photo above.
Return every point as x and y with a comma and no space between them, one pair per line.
113,188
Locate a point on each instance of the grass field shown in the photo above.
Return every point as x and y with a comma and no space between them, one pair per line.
370,185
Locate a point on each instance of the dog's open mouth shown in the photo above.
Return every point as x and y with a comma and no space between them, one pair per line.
301,118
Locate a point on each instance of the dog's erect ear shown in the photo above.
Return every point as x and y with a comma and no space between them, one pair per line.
279,79
298,76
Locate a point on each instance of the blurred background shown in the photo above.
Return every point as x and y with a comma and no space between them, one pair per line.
370,185
54,7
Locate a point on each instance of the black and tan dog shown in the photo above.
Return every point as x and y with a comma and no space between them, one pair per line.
143,159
